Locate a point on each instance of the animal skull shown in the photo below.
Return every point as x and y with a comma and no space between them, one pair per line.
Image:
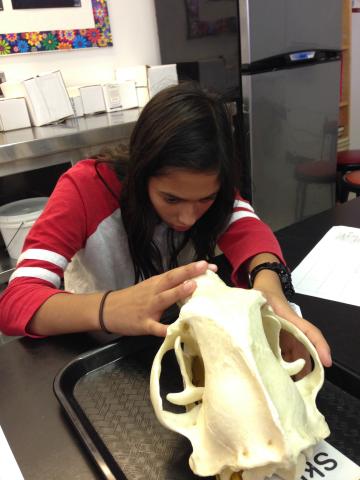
249,416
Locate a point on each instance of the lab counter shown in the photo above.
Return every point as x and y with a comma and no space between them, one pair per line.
47,443
73,139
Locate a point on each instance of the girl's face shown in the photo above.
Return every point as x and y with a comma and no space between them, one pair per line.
181,197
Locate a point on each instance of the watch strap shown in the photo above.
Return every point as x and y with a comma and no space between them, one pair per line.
283,272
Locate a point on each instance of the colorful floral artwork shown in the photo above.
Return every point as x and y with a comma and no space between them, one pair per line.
99,36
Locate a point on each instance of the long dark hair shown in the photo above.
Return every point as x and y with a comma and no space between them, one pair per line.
182,127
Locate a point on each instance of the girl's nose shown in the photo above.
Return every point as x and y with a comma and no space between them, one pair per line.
188,215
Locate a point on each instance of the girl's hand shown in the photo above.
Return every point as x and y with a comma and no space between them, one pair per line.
137,310
291,348
269,285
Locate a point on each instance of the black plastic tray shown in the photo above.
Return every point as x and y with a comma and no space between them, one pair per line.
106,396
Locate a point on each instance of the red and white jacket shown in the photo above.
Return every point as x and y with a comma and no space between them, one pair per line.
80,237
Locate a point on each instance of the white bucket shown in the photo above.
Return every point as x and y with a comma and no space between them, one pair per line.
16,219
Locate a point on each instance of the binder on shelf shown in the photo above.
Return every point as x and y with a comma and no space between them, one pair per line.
120,96
76,102
139,75
93,100
160,77
47,98
13,114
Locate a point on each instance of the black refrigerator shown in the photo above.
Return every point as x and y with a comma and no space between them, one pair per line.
278,63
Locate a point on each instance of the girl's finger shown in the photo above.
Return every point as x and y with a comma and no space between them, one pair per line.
156,328
173,295
318,340
179,275
213,267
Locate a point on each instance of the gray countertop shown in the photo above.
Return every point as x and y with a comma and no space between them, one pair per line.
69,141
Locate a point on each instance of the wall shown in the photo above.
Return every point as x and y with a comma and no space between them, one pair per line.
135,39
355,82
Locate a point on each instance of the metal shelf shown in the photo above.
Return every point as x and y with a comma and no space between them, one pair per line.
76,138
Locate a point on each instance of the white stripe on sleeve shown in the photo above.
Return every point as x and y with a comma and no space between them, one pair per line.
37,272
45,255
242,204
239,215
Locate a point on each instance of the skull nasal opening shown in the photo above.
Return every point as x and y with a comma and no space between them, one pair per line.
170,381
182,377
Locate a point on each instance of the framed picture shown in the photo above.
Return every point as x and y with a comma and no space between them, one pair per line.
21,4
198,26
356,6
55,28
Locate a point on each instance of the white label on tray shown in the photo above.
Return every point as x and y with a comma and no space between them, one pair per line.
327,463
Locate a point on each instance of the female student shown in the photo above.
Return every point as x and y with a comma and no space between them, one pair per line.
129,245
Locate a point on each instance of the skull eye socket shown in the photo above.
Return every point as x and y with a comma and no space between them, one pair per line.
294,351
272,329
286,348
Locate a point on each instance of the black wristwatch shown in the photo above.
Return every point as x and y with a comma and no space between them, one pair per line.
282,271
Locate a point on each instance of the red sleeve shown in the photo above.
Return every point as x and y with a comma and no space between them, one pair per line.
245,237
61,230
35,280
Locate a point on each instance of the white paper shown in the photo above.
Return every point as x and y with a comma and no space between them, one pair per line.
328,463
9,469
332,269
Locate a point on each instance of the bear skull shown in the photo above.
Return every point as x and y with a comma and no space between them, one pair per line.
249,416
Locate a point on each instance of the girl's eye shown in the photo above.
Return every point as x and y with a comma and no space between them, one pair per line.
207,200
171,200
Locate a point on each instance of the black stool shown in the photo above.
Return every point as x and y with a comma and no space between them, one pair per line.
350,183
347,160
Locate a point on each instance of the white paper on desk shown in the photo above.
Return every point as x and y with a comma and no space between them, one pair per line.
332,269
9,469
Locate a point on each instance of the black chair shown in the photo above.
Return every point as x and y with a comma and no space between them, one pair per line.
313,172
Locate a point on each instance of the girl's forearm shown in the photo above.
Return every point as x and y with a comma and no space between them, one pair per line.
134,310
67,313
